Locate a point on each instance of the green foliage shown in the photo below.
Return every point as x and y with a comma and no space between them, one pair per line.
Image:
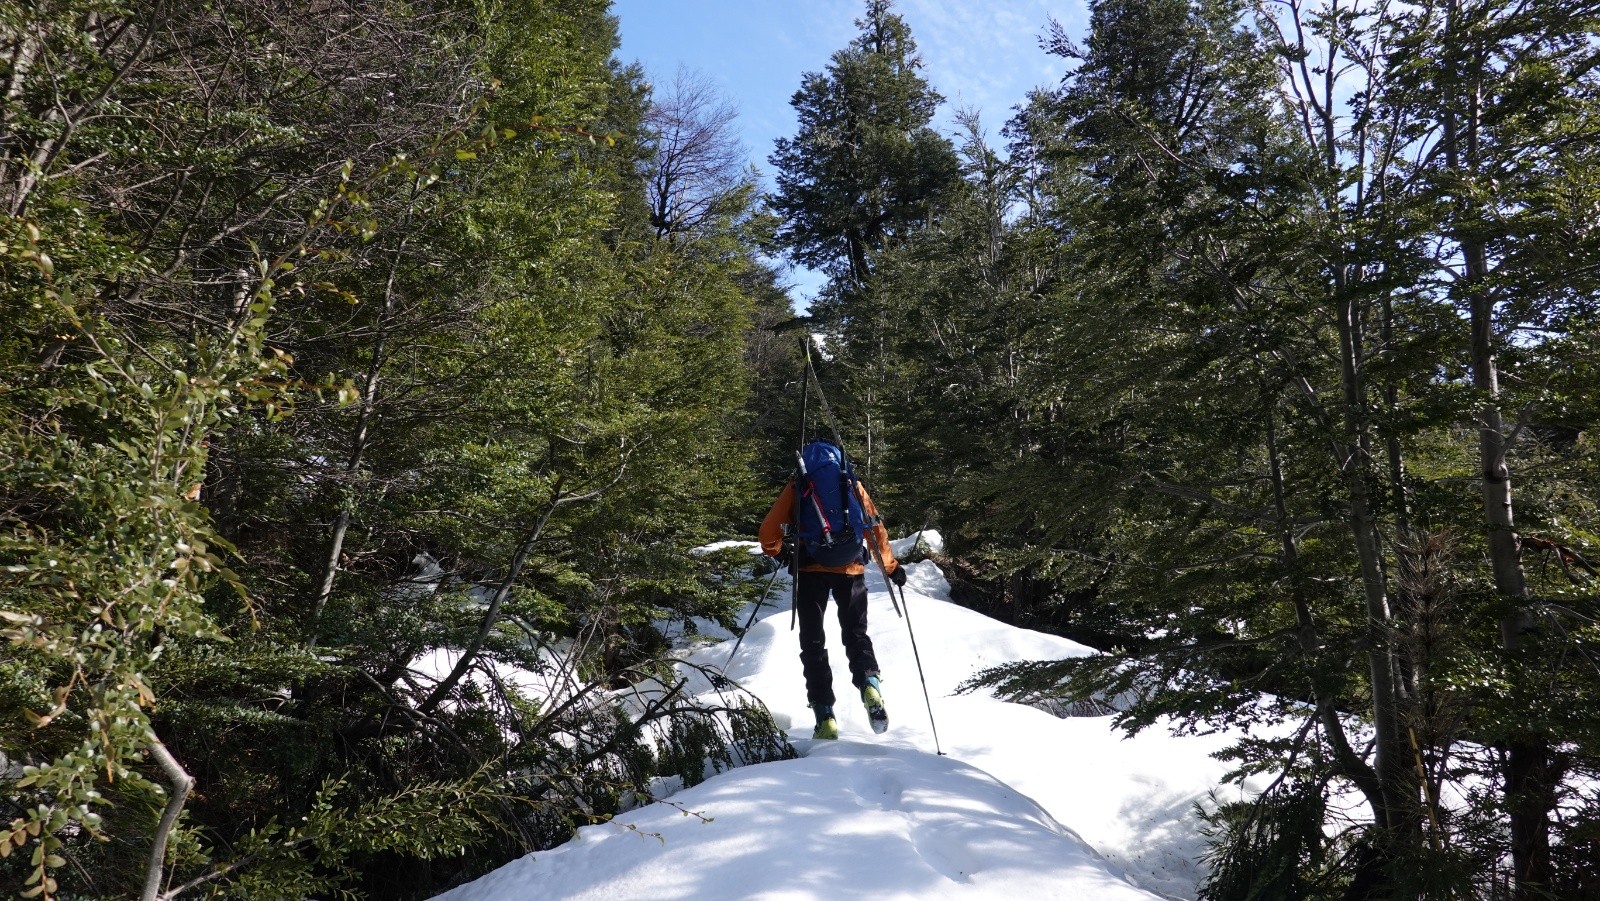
1266,848
1190,374
354,442
864,166
106,554
773,355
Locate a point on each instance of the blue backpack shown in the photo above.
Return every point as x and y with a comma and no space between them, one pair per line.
831,523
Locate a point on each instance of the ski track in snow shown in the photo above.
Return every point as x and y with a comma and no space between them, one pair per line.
1023,803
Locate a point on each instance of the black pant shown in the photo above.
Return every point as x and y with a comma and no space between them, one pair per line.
850,592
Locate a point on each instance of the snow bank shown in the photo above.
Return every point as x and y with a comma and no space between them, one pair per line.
1025,802
930,539
752,547
849,820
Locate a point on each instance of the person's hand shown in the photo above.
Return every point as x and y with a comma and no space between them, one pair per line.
898,576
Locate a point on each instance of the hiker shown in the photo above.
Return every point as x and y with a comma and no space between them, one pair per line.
828,516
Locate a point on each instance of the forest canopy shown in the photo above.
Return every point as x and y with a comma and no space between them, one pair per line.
1260,356
344,374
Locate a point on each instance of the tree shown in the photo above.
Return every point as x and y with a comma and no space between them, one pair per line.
1493,70
864,165
698,172
327,410
773,353
1260,418
864,172
144,150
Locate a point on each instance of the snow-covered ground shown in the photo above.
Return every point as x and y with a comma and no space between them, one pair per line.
1023,804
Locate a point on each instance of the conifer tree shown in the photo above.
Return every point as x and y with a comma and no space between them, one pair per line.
864,172
1500,70
865,165
327,411
1258,272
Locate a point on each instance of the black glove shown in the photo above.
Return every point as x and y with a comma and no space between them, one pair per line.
898,576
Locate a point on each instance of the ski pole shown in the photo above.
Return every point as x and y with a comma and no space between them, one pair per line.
918,655
822,397
799,454
751,621
877,557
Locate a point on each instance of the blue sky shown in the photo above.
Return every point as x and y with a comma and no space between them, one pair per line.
978,53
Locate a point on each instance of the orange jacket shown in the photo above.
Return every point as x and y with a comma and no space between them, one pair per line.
782,511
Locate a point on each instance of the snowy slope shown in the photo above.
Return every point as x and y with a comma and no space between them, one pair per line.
1023,803
850,820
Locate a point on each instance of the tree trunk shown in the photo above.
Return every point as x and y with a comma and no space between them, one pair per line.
492,616
1531,777
1396,811
1529,762
1529,771
362,436
1398,817
1346,762
1505,554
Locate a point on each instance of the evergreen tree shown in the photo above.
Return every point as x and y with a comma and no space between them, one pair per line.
1254,278
863,173
864,165
331,411
1507,88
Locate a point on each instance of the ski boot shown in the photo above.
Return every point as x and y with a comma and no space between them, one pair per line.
873,698
827,726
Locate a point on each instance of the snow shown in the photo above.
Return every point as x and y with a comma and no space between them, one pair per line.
753,547
487,675
849,820
1022,802
928,538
